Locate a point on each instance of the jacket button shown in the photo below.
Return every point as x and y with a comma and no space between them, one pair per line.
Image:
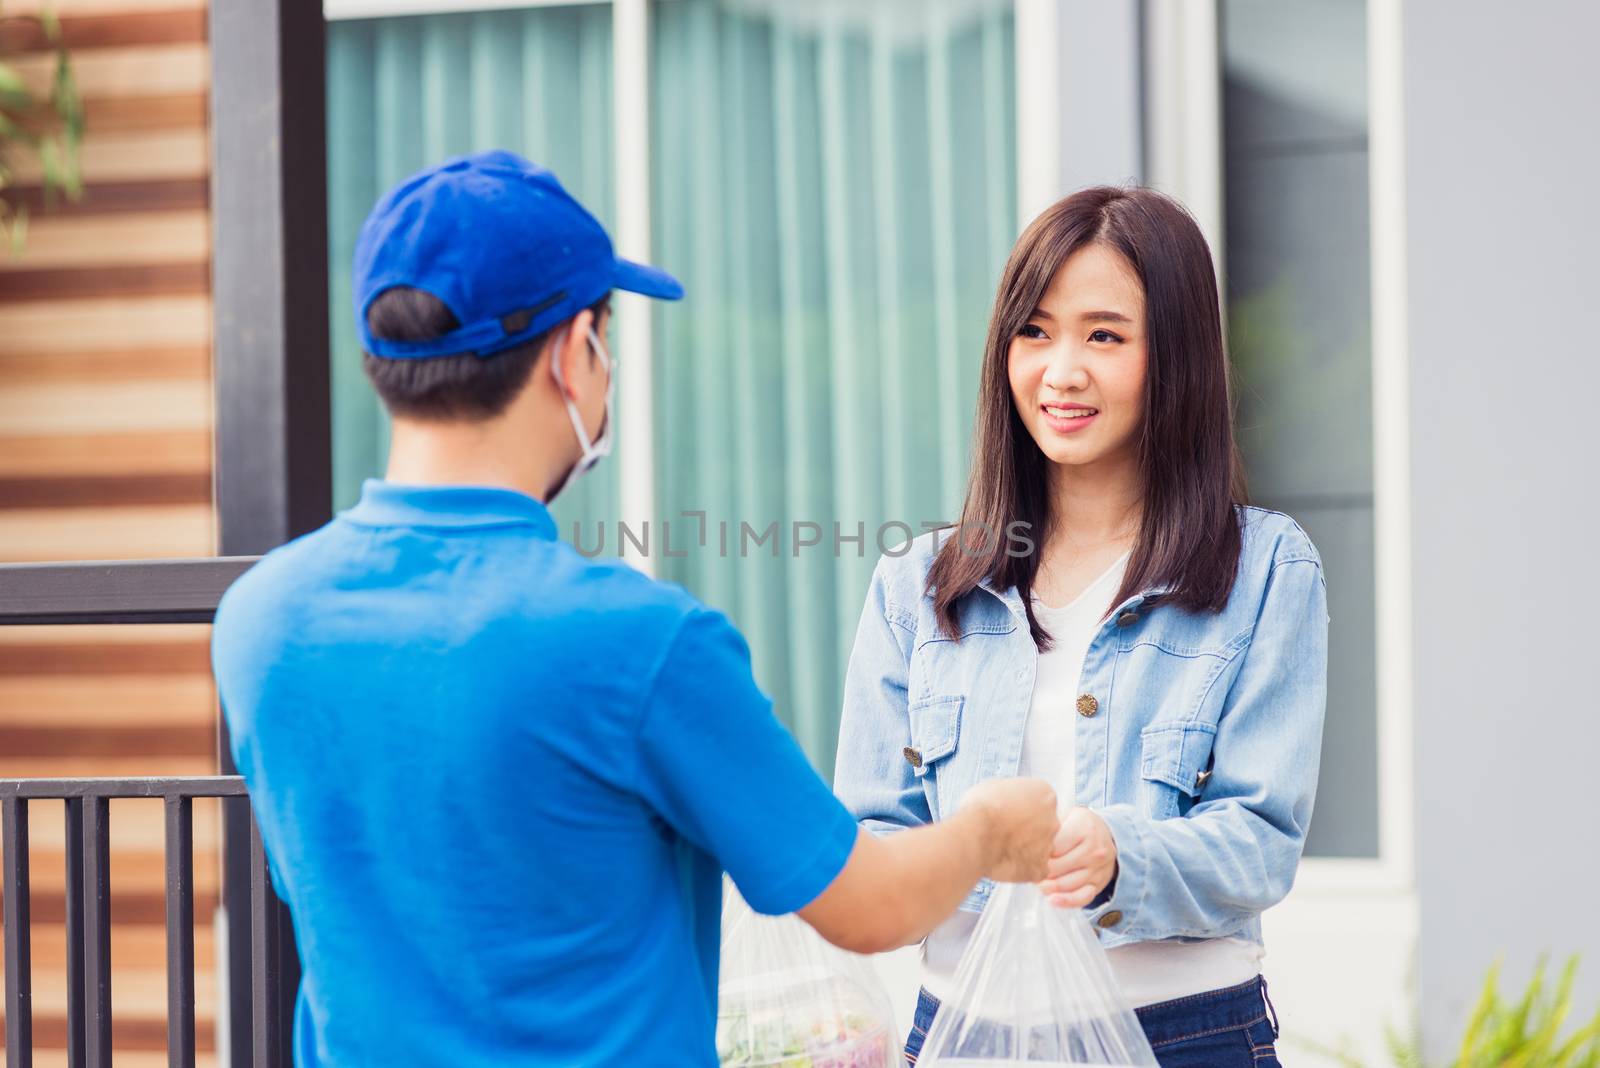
1110,919
1127,619
913,757
1087,705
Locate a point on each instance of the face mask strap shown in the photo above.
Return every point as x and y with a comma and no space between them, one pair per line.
592,452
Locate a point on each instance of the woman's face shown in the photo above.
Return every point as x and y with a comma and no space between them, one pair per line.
1077,366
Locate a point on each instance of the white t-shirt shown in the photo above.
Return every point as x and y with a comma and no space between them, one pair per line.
1147,972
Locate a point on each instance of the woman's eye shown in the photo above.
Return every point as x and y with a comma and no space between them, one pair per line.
1103,336
1029,330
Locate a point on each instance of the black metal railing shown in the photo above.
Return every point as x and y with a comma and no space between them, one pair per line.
261,971
88,918
117,591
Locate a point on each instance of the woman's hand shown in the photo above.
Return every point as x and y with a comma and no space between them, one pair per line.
1083,860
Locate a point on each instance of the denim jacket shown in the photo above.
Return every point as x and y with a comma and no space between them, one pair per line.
1198,735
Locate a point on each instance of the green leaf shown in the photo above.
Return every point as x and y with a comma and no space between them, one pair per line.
1527,1033
1405,1051
51,129
1582,1048
1487,1001
11,80
1547,1027
19,229
1515,1027
1569,1052
56,179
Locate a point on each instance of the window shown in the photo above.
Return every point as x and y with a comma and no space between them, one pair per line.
1295,167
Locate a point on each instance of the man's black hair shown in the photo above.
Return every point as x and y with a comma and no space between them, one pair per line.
447,388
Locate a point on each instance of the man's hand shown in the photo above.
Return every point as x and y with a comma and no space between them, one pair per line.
1082,861
1021,823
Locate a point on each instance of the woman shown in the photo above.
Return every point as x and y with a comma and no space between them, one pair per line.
1110,616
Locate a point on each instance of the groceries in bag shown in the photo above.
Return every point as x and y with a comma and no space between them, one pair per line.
787,998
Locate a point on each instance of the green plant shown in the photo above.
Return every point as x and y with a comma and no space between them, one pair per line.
1527,1033
1523,1033
50,128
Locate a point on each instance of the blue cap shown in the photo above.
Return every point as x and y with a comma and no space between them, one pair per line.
491,235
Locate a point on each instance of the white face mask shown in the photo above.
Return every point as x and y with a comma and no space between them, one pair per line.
592,451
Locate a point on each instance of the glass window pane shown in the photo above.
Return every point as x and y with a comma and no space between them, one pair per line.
406,92
836,188
1299,319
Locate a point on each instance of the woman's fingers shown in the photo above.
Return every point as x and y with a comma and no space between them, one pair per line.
1075,900
1069,883
1089,855
1083,839
1083,855
1084,861
1072,833
1056,867
1060,878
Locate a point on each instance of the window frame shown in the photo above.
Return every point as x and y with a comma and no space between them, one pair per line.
1183,51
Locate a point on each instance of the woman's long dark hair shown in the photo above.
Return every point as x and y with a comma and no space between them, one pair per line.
1189,537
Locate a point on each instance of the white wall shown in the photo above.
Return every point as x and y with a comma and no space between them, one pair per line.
1502,218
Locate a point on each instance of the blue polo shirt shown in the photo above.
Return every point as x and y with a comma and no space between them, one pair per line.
499,782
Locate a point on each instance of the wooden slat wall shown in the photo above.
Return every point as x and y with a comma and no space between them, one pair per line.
105,453
105,317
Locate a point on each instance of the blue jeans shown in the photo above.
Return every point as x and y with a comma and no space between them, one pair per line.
1218,1029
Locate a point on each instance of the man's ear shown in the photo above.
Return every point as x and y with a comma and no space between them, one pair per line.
602,323
567,347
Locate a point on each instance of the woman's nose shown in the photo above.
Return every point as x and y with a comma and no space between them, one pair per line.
1064,371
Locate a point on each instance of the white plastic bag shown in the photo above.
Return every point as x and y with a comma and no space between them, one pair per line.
1034,987
786,998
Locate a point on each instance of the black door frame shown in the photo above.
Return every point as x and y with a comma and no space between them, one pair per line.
273,471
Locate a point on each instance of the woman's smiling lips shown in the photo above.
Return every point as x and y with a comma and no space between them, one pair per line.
1068,418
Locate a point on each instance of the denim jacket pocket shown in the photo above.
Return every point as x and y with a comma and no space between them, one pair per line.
1174,756
935,729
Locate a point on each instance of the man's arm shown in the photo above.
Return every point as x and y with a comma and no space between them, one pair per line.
896,888
717,766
